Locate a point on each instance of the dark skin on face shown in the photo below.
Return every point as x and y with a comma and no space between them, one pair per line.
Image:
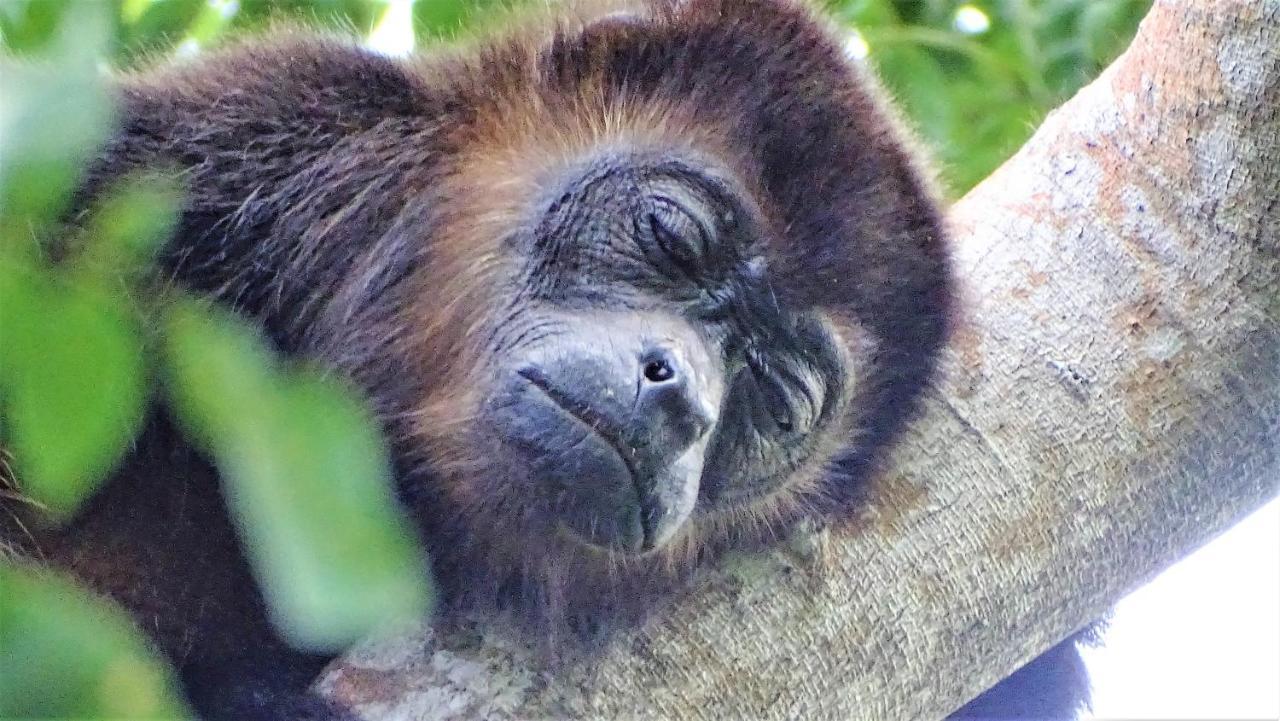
651,376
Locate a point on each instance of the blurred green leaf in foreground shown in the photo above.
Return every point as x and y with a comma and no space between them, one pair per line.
304,468
307,478
65,654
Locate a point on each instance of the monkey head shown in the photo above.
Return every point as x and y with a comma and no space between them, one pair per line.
684,283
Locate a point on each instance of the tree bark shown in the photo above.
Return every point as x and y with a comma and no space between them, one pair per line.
1111,401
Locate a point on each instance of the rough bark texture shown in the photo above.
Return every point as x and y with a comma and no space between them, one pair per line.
1112,401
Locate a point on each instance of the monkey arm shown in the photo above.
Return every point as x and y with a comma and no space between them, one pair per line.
1112,401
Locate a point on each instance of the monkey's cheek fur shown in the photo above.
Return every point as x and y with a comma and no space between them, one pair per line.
593,491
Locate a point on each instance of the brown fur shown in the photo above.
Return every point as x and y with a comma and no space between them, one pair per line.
356,206
683,77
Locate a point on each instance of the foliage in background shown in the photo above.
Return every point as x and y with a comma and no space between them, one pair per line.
977,77
89,343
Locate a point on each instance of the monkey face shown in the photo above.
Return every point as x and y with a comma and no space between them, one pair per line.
677,292
649,375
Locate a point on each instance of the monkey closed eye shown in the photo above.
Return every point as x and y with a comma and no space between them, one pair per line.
681,239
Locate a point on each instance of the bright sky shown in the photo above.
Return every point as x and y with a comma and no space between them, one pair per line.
393,35
1201,641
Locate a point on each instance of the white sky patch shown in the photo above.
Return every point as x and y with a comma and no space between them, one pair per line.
187,48
226,8
855,46
971,21
393,35
1202,640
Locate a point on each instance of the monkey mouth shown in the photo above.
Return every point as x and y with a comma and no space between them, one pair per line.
595,421
600,496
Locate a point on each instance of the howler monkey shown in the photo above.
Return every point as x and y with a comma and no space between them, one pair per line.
625,288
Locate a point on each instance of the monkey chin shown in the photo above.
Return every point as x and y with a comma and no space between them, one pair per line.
652,527
635,531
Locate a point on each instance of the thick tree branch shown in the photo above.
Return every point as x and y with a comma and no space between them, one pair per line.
1112,401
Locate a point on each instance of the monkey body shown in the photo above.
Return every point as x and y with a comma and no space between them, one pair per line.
709,186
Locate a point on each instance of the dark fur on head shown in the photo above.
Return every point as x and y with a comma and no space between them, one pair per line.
762,93
376,214
363,209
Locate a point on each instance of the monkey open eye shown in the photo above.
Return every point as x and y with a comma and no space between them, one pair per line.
679,239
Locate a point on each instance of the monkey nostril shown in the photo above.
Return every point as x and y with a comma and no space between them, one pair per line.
668,403
659,370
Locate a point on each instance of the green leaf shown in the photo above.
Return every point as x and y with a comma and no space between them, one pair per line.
307,478
356,15
159,24
444,19
125,230
439,18
865,13
72,382
54,115
65,654
27,26
209,25
1106,27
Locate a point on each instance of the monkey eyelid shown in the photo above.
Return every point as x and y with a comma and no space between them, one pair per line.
673,245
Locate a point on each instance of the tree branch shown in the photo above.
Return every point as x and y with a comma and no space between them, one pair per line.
1111,402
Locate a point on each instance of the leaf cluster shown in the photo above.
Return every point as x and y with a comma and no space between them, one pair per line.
976,77
92,341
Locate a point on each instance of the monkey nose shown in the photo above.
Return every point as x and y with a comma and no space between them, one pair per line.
672,410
